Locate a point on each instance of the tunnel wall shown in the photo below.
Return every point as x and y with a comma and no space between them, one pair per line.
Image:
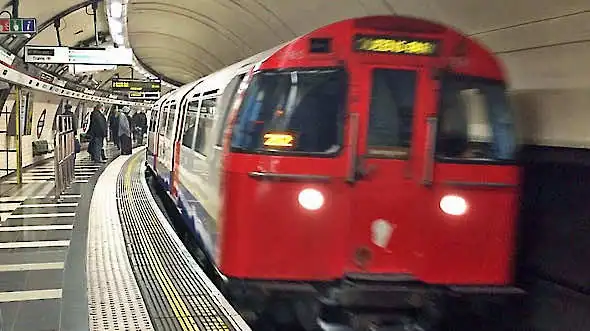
554,260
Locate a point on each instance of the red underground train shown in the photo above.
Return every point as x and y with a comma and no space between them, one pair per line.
369,163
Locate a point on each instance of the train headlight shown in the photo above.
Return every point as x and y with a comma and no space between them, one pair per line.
311,199
453,205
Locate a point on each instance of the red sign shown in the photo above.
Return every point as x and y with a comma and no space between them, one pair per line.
5,25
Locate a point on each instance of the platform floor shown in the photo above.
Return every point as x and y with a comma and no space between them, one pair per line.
104,257
35,233
140,276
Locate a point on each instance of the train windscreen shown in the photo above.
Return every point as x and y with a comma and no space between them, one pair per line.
475,120
292,112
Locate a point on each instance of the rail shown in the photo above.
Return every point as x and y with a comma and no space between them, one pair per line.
64,154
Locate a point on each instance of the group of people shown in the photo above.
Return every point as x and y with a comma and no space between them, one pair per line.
122,128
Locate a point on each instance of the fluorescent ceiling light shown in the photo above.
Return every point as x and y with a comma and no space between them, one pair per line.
116,27
118,38
116,9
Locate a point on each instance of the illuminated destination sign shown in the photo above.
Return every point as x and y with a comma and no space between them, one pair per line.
278,140
131,85
391,45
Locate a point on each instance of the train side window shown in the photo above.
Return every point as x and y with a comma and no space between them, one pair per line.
190,124
204,125
225,104
391,113
475,121
152,120
162,125
170,124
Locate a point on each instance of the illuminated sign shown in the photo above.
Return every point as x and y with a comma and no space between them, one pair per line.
131,85
278,140
103,56
49,54
408,46
18,25
144,95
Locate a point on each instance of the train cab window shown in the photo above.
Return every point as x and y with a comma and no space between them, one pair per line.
225,104
475,121
170,123
190,124
391,113
292,112
204,125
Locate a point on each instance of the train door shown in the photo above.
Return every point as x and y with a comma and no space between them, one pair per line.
169,136
386,234
151,150
161,144
472,180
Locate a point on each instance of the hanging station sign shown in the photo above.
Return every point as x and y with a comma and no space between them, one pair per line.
18,25
137,89
67,55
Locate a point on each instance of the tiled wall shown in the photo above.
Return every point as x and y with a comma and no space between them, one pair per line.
41,101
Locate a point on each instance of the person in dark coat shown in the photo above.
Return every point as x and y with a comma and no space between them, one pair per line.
97,132
140,122
114,126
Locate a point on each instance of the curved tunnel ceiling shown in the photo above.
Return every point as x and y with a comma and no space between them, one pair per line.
185,39
76,30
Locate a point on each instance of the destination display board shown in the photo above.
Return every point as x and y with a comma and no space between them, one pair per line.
393,45
135,85
67,55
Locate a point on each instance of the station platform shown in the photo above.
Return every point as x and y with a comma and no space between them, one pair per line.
104,257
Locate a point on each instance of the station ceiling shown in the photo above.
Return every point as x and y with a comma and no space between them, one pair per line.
544,43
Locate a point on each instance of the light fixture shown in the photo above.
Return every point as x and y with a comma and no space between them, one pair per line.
453,205
116,9
118,38
311,199
116,27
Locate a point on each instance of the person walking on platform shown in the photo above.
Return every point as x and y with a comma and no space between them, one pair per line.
114,126
97,132
124,132
140,126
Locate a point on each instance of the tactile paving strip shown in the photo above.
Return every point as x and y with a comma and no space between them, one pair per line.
178,294
114,299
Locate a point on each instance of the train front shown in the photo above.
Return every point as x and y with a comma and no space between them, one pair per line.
375,156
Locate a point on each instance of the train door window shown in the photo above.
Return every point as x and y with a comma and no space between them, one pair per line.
391,113
190,124
204,125
162,124
170,123
225,104
475,121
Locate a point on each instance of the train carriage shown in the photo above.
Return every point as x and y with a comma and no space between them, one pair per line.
369,153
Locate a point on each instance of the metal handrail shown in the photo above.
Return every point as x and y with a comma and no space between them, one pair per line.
64,154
